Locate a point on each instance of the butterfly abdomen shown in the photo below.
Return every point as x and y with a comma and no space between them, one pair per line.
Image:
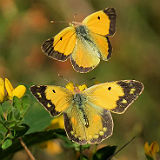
79,99
79,102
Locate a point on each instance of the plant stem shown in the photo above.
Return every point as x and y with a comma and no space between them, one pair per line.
26,149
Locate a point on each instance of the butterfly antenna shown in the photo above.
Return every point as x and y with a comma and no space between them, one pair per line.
90,79
61,76
109,158
74,17
93,78
64,22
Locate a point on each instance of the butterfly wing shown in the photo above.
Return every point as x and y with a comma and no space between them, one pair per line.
114,96
88,124
54,98
102,22
85,56
61,46
103,45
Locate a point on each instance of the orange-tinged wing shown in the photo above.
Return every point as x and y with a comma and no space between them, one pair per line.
88,124
102,22
54,98
114,96
84,58
61,46
103,44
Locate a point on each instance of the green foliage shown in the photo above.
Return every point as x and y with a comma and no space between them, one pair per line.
148,157
11,117
82,157
31,139
7,143
104,153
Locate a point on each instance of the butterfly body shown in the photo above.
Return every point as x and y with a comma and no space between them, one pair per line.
85,43
87,111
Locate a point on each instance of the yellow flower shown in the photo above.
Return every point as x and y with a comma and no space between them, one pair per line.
82,87
2,90
19,91
53,147
57,122
151,150
70,86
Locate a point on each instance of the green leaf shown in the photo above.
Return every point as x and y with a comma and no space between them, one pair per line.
16,114
19,131
82,157
104,153
2,118
37,118
10,124
1,111
25,103
3,130
1,137
7,143
6,107
10,116
10,136
16,103
81,147
148,157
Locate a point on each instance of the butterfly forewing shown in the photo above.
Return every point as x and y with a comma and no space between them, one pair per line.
61,46
102,22
54,98
114,96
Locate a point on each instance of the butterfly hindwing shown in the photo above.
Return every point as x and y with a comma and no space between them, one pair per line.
88,124
84,57
114,96
102,22
103,45
61,46
54,98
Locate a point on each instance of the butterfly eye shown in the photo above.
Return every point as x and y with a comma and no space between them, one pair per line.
61,38
109,88
99,17
54,91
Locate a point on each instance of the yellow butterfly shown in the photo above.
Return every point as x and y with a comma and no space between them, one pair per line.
86,111
85,43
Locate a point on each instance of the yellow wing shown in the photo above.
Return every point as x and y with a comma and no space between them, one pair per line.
61,46
88,124
84,58
114,96
102,22
103,44
54,98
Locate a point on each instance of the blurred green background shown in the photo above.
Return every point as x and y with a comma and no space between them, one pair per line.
24,25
